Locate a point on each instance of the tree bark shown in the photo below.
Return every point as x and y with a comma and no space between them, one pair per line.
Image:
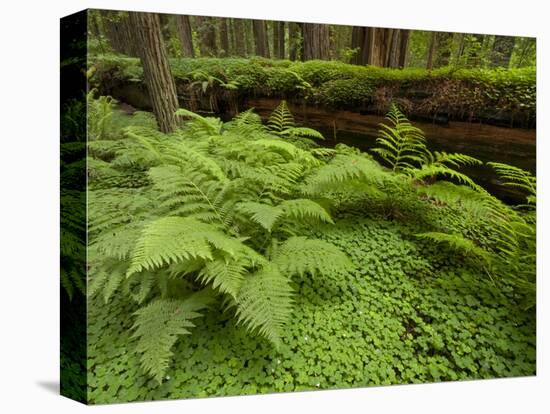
293,41
240,37
156,69
394,49
502,50
260,38
282,53
403,47
276,53
431,51
316,41
224,37
185,34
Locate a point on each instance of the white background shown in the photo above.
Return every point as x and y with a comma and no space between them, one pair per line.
29,238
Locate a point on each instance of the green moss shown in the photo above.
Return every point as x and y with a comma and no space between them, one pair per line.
507,95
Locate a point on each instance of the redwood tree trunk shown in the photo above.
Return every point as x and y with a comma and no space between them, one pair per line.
431,51
403,47
183,26
276,53
156,70
224,37
260,38
316,41
240,37
281,40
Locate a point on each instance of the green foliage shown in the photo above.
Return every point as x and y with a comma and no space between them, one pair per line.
460,93
401,145
354,273
159,324
281,122
218,202
100,112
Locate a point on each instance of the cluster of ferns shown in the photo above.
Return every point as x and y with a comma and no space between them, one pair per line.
219,217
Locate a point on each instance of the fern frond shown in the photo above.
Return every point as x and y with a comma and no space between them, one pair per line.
201,126
516,177
300,255
458,243
264,303
170,240
280,119
158,326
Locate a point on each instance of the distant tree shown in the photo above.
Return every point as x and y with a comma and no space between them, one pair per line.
294,41
316,41
379,47
224,37
206,29
185,35
119,32
260,38
281,47
431,51
503,46
240,37
156,69
444,48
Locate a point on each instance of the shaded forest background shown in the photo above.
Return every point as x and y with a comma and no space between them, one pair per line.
199,36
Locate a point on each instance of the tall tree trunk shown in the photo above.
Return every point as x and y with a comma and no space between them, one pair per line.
403,47
207,34
276,53
358,42
185,34
431,51
119,32
293,41
281,39
260,38
374,46
224,37
156,69
394,49
502,50
240,37
316,41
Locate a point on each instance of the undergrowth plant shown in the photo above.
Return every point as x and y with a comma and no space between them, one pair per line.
222,224
221,216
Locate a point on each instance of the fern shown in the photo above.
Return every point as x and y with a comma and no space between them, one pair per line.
264,303
458,243
516,177
299,255
281,122
401,145
158,326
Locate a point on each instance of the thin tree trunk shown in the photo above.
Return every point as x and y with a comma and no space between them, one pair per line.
276,53
156,69
224,37
316,41
281,40
431,51
240,37
185,34
293,41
